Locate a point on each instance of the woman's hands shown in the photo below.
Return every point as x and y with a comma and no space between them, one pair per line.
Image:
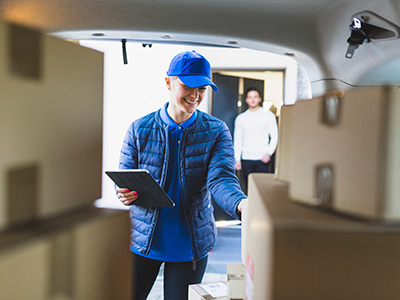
126,196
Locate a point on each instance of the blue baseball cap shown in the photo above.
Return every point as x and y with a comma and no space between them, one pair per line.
192,68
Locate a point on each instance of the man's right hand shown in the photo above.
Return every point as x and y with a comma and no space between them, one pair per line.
238,165
126,196
266,158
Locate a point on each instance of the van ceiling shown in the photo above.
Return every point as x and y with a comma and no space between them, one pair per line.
315,31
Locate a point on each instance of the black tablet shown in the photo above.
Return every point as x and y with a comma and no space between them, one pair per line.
150,194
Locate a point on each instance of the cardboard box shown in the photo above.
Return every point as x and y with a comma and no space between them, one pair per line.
344,152
209,291
52,110
300,252
284,148
243,229
236,284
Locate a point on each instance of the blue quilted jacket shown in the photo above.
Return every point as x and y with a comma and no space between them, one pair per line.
206,165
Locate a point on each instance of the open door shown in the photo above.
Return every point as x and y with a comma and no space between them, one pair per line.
224,103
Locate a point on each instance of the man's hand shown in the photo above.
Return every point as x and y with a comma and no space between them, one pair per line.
266,158
238,165
126,196
239,207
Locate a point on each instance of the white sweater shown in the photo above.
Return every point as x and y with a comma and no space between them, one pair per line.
256,134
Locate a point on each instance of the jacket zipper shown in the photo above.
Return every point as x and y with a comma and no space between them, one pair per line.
193,264
162,183
184,197
152,231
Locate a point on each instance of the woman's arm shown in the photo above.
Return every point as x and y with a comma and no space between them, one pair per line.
221,179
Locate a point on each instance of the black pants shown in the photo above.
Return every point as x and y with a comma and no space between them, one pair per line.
253,166
177,277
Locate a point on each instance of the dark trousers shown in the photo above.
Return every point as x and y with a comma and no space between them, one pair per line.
254,166
177,277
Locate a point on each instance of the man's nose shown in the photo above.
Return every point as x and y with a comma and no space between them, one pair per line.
194,92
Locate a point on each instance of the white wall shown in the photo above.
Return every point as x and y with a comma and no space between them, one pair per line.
138,88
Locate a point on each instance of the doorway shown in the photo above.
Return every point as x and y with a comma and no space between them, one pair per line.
230,101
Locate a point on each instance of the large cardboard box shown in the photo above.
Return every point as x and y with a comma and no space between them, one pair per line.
51,120
81,256
243,232
344,152
300,252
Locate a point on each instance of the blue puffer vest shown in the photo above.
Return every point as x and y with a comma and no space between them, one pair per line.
206,165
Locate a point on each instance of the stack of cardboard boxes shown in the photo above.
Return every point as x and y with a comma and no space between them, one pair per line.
53,243
326,226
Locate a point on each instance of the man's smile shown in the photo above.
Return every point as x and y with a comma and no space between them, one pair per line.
190,101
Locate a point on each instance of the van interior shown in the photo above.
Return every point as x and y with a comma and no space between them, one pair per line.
325,225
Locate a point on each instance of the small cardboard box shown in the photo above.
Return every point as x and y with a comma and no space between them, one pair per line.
209,291
236,284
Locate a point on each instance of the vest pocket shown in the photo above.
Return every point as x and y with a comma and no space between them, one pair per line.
203,215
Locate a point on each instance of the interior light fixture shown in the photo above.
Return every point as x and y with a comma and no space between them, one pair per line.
369,27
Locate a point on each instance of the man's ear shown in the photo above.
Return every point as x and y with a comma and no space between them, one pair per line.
168,83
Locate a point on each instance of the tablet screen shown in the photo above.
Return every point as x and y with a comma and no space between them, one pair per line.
150,194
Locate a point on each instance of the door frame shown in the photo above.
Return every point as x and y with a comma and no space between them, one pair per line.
254,74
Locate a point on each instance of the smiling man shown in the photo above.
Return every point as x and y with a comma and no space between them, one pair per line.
190,154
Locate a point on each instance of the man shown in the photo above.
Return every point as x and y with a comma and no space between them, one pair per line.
255,137
190,154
